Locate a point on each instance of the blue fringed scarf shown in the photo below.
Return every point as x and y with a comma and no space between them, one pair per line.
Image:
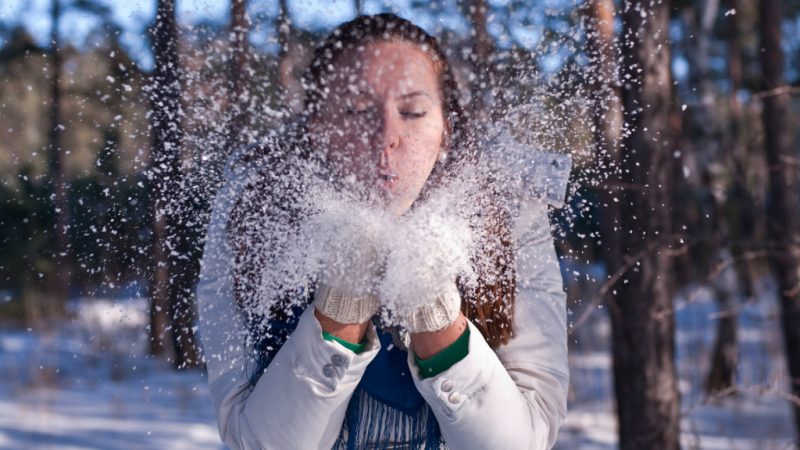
386,410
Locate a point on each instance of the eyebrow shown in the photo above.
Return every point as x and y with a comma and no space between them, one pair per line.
414,94
401,97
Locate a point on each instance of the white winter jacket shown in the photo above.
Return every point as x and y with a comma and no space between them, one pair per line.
514,397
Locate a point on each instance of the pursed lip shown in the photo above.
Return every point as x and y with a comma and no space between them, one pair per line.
387,179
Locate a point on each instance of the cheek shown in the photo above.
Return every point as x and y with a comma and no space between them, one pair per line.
423,147
344,144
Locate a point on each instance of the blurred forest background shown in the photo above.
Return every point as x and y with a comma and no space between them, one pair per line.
680,243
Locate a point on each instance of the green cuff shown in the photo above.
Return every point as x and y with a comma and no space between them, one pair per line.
445,359
356,348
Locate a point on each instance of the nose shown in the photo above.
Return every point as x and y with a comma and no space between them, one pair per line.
389,138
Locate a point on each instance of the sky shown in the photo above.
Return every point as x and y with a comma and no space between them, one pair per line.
135,16
132,14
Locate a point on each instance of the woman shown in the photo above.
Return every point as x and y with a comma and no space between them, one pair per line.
485,363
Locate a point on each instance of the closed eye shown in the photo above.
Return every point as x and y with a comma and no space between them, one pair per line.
413,114
353,111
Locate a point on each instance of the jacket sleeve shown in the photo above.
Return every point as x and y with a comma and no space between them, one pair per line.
301,398
514,397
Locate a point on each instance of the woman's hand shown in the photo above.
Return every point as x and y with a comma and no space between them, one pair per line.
346,245
427,344
350,332
345,298
346,291
429,249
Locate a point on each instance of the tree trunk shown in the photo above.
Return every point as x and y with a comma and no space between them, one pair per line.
482,47
642,315
171,301
292,91
237,116
725,357
166,137
745,208
782,199
607,118
711,162
59,283
159,288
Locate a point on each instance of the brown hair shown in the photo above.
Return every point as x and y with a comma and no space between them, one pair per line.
490,305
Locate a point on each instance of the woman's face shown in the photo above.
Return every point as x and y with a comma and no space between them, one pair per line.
382,124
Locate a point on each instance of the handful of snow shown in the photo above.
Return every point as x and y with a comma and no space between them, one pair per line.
411,260
429,248
407,261
344,242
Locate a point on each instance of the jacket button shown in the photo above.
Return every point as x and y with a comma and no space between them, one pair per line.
328,370
447,386
454,397
338,360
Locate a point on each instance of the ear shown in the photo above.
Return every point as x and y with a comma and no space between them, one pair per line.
442,156
446,132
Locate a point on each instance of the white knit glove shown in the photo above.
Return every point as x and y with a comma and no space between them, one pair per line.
438,314
344,306
429,249
347,246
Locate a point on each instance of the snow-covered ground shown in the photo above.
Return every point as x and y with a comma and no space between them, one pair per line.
90,385
757,417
